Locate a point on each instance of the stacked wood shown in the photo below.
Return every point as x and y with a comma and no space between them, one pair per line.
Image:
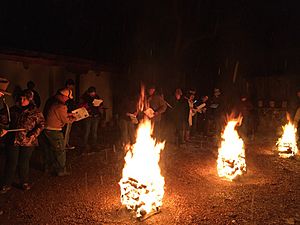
134,191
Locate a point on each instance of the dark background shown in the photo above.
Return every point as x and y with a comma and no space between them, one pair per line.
194,43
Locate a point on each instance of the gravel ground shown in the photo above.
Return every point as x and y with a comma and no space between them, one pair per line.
194,194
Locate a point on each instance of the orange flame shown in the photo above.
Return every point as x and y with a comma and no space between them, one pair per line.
231,159
287,144
142,185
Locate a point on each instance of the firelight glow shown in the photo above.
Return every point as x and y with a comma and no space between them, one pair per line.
231,159
287,144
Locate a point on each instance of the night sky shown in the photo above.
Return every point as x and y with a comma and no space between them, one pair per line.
194,37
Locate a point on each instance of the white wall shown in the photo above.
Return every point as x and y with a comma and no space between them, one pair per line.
48,79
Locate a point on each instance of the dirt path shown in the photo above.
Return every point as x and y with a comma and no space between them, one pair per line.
268,194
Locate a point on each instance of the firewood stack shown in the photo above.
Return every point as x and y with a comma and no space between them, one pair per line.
234,165
286,149
133,196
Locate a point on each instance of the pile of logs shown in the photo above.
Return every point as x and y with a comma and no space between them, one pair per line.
132,197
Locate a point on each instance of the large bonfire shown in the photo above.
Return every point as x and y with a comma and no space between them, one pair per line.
231,159
287,144
142,185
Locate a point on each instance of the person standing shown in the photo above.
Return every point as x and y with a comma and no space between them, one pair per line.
202,117
245,108
91,124
217,110
52,138
179,116
159,106
36,96
20,145
128,119
71,105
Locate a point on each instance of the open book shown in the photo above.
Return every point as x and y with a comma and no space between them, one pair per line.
199,109
97,102
150,113
80,113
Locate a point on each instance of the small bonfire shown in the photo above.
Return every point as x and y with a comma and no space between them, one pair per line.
287,143
142,185
231,159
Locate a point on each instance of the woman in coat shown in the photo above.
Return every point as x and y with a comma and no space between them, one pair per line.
20,145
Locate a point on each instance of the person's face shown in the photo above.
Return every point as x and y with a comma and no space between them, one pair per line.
243,99
298,94
24,101
192,97
93,94
177,96
151,91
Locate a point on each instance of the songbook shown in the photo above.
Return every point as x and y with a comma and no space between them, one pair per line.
80,113
214,106
199,109
97,102
150,113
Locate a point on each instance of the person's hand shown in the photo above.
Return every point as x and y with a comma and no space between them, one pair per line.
3,132
1,94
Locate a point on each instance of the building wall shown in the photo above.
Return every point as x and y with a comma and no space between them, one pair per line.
48,79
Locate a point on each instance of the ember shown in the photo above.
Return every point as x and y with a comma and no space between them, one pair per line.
142,186
231,159
287,144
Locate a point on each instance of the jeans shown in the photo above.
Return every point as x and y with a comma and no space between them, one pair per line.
67,134
127,131
17,156
91,125
52,144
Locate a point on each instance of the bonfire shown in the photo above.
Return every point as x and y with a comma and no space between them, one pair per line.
231,159
142,185
287,144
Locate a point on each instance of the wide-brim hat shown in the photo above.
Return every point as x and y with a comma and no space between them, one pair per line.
3,86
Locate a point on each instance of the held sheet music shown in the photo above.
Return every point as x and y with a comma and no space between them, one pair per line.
80,113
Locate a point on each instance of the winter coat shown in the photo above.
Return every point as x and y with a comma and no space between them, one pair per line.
87,102
56,114
28,118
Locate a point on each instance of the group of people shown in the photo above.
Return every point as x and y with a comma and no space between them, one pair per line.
182,115
25,126
175,118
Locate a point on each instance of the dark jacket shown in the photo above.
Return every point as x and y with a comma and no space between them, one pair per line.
180,110
87,102
158,104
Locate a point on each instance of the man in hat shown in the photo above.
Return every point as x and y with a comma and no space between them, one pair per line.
71,105
52,138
